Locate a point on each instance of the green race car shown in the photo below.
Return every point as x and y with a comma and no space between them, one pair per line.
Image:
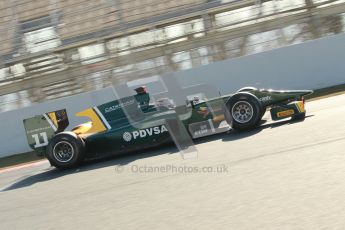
134,122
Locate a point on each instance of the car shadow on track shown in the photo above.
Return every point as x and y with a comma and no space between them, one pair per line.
53,173
234,135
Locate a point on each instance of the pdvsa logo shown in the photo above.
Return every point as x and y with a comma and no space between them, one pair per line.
142,133
127,136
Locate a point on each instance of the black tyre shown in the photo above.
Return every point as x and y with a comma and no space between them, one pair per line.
244,111
246,89
66,150
262,113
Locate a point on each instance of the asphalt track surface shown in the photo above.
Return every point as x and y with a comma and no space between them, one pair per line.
285,175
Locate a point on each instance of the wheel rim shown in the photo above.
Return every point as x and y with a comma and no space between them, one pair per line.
63,151
242,112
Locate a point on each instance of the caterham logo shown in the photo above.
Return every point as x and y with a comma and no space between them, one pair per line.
118,106
142,133
264,99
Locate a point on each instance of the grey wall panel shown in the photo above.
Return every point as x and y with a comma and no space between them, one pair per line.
314,64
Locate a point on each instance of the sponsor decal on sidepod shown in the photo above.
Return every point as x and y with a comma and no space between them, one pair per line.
142,133
265,99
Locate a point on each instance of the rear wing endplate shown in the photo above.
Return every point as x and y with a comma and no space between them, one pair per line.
41,128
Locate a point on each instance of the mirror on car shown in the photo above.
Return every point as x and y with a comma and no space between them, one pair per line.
190,103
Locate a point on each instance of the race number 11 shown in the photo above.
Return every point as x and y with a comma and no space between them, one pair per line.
37,140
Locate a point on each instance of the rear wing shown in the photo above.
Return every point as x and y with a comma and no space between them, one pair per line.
41,128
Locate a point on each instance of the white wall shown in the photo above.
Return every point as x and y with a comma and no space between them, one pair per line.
310,65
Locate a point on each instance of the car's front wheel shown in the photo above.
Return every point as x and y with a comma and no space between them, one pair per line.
247,89
66,150
245,111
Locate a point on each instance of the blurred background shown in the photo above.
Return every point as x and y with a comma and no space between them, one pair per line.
56,48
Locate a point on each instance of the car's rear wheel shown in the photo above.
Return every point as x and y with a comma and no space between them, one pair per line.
66,150
244,110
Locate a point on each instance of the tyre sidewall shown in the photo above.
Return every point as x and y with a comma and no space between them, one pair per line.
257,110
78,148
247,89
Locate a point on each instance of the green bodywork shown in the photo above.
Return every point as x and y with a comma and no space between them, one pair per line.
134,123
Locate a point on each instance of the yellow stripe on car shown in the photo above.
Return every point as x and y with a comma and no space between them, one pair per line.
285,113
300,106
52,117
97,124
50,122
83,128
219,118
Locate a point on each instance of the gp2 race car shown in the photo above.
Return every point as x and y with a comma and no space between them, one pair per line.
133,123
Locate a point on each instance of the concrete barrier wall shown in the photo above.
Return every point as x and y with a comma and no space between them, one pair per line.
310,65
